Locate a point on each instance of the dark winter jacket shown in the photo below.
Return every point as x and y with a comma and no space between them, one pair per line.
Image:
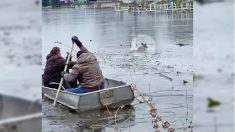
87,71
54,66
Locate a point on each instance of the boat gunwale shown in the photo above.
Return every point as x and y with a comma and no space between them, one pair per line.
83,94
21,118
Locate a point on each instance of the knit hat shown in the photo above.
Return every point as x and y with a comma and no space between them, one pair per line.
54,50
80,52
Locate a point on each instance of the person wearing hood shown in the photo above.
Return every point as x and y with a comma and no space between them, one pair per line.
86,71
54,66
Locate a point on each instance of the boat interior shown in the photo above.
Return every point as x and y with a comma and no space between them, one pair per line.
109,83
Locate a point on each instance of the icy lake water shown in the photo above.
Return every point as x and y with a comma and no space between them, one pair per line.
214,66
114,38
20,35
20,40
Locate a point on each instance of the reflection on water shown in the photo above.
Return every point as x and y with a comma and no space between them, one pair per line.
98,120
110,30
112,36
95,120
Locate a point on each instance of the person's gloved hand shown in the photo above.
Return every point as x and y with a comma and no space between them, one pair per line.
62,73
71,64
76,41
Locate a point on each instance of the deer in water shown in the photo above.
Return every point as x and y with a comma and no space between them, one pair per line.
142,48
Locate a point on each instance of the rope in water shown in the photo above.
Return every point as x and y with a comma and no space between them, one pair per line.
115,115
155,117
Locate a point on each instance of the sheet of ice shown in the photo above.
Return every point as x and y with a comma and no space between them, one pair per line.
213,60
20,52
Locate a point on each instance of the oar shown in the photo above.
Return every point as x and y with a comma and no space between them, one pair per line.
65,69
57,42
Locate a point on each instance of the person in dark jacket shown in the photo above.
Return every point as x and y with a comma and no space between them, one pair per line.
54,66
86,71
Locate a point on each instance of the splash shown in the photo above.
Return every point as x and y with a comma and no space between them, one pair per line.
143,44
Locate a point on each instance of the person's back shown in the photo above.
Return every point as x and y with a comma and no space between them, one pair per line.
87,70
90,75
54,66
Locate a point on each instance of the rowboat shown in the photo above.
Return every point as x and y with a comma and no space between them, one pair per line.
115,94
19,115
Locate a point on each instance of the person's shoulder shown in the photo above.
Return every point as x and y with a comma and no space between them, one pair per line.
58,57
76,67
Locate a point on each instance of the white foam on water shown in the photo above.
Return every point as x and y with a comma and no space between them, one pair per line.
144,39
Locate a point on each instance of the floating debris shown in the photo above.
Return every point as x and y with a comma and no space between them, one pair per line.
219,70
185,82
182,45
6,33
37,2
197,77
212,103
178,72
166,77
